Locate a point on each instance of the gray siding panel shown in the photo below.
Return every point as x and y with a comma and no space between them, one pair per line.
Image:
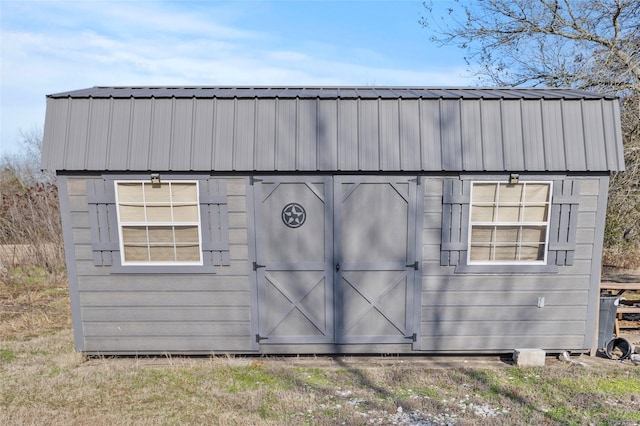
340,134
513,139
142,119
202,151
100,123
534,155
492,138
327,133
472,136
265,148
125,313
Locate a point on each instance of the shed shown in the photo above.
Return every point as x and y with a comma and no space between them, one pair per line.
284,220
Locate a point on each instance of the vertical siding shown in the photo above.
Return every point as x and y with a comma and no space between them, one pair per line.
245,135
472,312
265,148
161,132
223,126
450,135
532,136
327,135
410,152
368,135
182,129
308,134
202,152
492,136
430,136
286,132
123,313
141,122
471,136
348,131
99,122
512,133
307,137
78,133
390,136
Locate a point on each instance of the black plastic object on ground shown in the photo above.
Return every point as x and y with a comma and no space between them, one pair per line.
618,348
607,318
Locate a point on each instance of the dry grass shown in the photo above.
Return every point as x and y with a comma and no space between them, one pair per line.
44,381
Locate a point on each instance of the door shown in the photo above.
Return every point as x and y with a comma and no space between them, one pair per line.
294,252
376,259
335,259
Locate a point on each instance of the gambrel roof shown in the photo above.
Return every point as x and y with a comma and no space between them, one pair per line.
332,129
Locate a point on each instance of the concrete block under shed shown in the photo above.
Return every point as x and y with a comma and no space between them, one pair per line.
529,357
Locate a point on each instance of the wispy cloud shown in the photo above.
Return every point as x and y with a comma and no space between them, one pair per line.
50,46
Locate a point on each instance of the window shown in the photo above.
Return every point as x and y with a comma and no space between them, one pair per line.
509,223
159,223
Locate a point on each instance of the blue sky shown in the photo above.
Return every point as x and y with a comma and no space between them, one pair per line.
49,46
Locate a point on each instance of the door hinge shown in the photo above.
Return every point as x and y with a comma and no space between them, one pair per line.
415,265
413,337
253,180
256,266
260,338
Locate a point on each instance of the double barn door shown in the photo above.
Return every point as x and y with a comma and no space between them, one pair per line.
336,259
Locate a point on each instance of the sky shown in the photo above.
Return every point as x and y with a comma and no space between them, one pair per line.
49,46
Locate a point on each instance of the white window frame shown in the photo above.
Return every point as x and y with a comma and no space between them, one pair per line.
159,224
520,223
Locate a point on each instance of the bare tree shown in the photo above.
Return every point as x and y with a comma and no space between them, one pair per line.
586,44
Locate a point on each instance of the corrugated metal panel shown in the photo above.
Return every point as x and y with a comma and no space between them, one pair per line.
492,138
332,129
513,141
532,135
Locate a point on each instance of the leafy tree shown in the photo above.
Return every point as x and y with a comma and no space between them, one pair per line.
586,44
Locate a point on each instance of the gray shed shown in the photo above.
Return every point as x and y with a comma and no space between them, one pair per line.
332,220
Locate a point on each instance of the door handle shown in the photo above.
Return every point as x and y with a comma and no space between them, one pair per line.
337,267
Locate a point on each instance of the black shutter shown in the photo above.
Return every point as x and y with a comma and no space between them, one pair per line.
455,221
564,222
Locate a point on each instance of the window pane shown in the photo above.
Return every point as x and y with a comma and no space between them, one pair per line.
186,234
532,252
480,253
160,253
128,192
185,213
183,192
535,213
535,234
510,193
158,193
509,252
484,192
509,214
136,253
537,192
158,214
134,234
482,213
482,234
132,214
161,234
188,253
507,234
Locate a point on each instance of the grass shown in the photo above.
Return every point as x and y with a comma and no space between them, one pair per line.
45,381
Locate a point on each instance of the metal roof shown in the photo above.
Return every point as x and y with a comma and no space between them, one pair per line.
330,93
331,129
